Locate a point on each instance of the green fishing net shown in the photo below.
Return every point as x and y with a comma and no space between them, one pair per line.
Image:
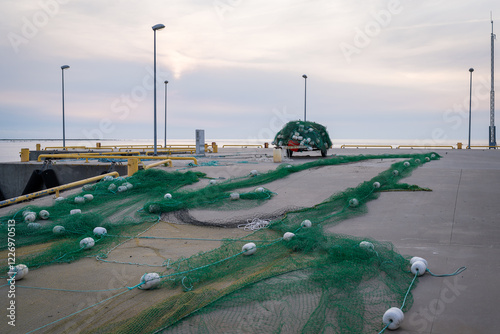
309,135
288,277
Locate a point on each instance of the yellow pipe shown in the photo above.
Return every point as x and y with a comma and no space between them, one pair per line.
426,146
366,146
163,162
259,146
67,147
54,190
86,156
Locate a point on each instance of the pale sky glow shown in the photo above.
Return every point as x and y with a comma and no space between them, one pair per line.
393,69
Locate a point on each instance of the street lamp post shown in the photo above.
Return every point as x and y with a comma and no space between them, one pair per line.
165,143
155,27
64,130
305,95
470,103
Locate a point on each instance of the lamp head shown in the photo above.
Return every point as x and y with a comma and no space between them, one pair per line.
471,70
304,76
158,26
64,67
166,82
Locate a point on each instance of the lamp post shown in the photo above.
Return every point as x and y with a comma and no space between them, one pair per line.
165,143
470,103
155,27
305,95
64,130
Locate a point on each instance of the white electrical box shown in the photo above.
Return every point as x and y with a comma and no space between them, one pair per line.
200,141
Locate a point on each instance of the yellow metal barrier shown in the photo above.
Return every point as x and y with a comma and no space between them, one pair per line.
426,146
62,147
163,162
54,190
367,146
485,146
242,146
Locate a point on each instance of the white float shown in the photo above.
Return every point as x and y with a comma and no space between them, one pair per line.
30,217
44,214
100,231
288,236
212,182
75,211
234,196
393,317
150,281
112,187
395,172
353,202
259,190
306,223
59,199
427,159
79,200
254,172
249,249
122,189
58,229
20,271
87,243
128,185
418,268
406,164
88,187
167,196
376,185
416,258
34,226
366,245
88,197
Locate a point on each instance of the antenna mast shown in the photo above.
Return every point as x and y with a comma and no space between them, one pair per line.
492,132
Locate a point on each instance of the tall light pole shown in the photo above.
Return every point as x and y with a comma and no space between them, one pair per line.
165,143
492,129
64,130
305,95
155,27
470,102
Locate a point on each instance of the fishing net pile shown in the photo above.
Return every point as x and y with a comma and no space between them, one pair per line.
287,277
299,133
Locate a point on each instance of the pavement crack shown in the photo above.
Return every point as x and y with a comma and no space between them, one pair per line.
456,204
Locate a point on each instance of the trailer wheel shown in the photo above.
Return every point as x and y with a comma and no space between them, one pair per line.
289,153
323,153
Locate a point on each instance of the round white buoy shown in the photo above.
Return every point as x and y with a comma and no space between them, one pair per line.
122,189
34,226
75,211
366,245
167,196
59,199
87,243
108,178
306,223
234,196
254,172
88,197
44,214
353,202
212,182
112,187
288,236
100,231
393,317
20,271
417,161
150,281
249,249
418,268
416,258
259,190
406,164
427,159
30,217
433,155
87,187
58,229
27,212
128,185
395,172
79,200
376,185
120,178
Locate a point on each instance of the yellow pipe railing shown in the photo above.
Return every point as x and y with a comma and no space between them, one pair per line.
258,146
367,146
65,148
163,162
426,146
88,156
54,190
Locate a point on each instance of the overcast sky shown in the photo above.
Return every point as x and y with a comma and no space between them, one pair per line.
384,69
